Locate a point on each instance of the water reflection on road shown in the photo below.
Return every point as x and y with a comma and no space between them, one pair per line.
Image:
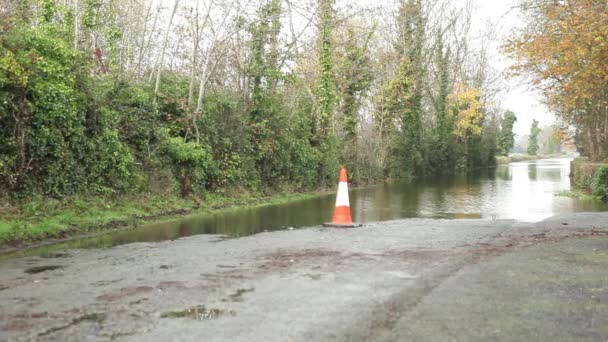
523,191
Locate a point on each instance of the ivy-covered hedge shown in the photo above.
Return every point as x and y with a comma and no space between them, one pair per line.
67,128
55,137
599,184
589,176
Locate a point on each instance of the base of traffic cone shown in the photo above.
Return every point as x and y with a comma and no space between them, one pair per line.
336,225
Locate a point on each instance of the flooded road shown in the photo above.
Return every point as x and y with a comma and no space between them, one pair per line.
524,191
399,280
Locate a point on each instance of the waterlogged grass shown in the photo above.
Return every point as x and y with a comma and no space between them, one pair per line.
518,157
40,219
579,194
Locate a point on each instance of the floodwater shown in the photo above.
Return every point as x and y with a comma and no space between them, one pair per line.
524,191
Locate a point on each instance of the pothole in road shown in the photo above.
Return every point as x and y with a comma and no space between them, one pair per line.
40,269
199,313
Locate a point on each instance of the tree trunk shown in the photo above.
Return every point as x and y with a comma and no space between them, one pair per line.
76,26
164,46
186,184
199,103
143,44
193,74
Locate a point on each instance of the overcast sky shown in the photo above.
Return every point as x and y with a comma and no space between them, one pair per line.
519,96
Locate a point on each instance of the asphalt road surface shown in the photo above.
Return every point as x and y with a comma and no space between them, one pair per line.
418,280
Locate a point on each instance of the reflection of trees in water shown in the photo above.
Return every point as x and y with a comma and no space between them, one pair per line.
552,174
532,171
503,172
434,192
462,198
386,202
482,174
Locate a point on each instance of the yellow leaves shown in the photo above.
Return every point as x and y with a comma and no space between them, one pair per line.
11,71
466,108
564,49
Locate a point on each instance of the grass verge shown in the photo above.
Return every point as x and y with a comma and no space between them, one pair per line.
45,219
518,157
579,194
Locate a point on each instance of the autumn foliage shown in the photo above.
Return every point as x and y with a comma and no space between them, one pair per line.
564,50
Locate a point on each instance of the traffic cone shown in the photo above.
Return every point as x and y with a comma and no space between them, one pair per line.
342,217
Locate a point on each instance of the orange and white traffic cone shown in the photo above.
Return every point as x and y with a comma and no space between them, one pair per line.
342,217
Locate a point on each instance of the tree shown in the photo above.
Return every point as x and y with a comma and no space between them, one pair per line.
400,98
549,140
354,76
467,116
563,49
326,90
263,71
401,123
441,154
506,138
533,140
164,46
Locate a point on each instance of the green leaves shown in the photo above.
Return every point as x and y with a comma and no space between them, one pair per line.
192,162
506,136
59,141
599,184
533,141
11,72
186,153
326,89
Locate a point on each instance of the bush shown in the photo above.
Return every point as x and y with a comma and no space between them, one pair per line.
599,184
582,173
193,163
60,137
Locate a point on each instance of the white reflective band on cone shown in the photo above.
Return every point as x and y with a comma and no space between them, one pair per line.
342,198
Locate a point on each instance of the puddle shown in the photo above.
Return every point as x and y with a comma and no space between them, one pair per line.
40,269
199,313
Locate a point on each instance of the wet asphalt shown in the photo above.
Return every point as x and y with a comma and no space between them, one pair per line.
406,280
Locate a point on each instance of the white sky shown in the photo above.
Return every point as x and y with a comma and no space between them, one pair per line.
519,96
